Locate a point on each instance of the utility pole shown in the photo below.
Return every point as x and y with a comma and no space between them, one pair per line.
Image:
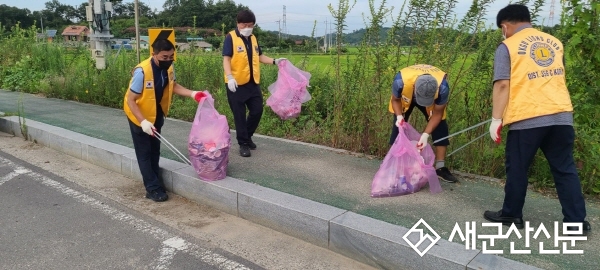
551,17
331,33
137,30
325,37
316,37
284,24
279,23
42,22
98,14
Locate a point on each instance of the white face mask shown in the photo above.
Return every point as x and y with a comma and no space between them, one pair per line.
246,32
503,33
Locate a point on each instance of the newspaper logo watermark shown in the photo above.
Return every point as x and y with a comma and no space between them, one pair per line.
422,237
571,233
566,234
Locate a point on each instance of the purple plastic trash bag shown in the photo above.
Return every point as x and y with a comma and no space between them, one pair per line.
404,170
209,141
288,92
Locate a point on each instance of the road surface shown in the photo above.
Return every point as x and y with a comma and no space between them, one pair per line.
59,212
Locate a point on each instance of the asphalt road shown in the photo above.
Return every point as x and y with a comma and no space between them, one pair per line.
59,212
48,223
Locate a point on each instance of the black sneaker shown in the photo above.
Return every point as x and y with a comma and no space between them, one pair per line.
586,228
445,174
496,216
157,195
245,151
252,145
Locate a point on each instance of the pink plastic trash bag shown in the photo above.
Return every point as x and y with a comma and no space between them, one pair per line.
404,170
209,141
289,91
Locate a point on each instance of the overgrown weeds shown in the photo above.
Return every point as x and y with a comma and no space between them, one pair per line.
350,93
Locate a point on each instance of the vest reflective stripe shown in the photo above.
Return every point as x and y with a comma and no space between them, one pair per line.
409,76
240,66
537,79
147,101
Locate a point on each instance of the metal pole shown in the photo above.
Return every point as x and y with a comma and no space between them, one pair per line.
91,27
137,31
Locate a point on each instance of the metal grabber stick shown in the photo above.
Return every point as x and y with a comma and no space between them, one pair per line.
465,145
462,131
172,148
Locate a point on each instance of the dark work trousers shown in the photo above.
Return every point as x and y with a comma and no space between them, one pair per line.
147,152
439,132
247,96
556,142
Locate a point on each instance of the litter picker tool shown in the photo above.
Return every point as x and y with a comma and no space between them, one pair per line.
462,131
472,141
172,148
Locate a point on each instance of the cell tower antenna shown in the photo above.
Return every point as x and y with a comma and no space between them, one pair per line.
284,24
551,17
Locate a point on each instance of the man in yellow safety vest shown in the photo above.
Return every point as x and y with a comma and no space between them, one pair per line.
530,96
424,87
146,104
241,65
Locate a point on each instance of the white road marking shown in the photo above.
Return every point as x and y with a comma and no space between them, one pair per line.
167,253
176,243
166,257
12,175
170,243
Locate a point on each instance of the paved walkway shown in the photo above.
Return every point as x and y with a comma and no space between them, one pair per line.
336,178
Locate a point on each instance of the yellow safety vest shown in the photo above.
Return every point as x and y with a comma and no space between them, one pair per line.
537,80
240,66
409,76
147,102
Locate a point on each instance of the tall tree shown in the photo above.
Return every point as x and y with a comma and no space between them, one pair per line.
127,10
10,16
208,13
57,15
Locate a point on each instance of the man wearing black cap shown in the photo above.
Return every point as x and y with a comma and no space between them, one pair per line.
427,86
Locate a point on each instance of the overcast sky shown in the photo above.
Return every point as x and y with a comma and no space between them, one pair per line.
301,14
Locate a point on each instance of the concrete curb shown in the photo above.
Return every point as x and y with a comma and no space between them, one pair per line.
374,242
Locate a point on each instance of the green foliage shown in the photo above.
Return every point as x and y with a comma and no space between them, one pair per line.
580,30
210,14
22,72
11,16
350,86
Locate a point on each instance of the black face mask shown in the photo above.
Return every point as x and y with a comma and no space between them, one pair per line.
165,64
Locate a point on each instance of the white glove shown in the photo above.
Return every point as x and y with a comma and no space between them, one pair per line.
399,120
495,129
148,128
279,60
423,141
231,83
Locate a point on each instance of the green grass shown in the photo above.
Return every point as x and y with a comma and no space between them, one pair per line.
348,109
